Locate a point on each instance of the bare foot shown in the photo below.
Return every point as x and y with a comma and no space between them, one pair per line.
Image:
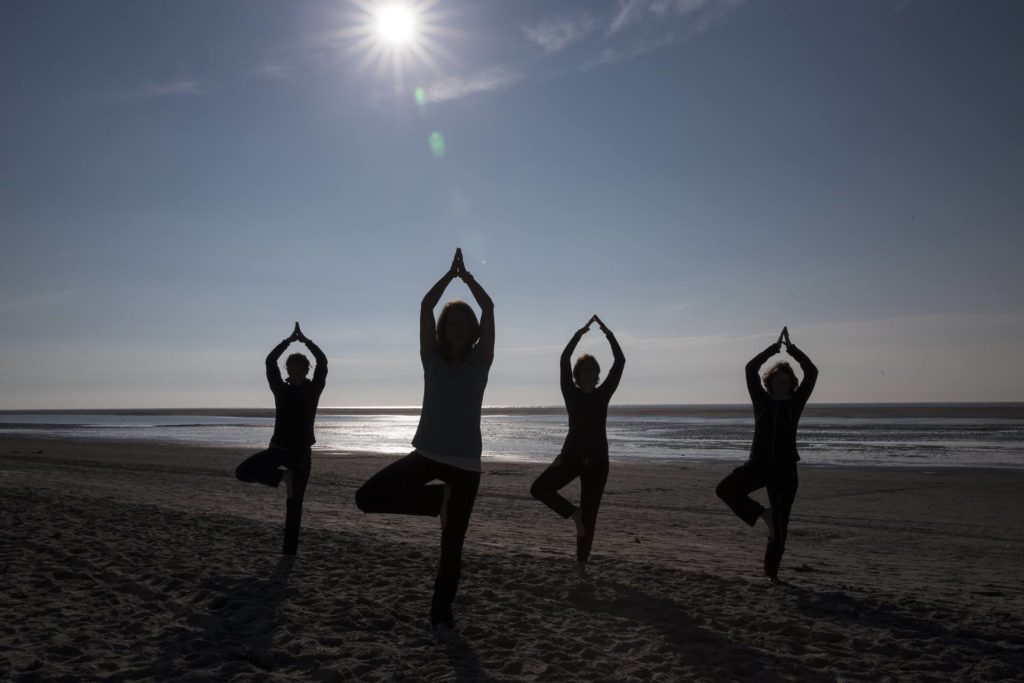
289,482
581,570
577,517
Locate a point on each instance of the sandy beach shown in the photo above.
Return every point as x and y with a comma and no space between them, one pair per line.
134,561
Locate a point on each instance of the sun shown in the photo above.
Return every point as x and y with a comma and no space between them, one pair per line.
396,24
400,36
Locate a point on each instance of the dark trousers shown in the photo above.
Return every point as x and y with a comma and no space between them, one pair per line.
593,474
402,488
781,480
265,468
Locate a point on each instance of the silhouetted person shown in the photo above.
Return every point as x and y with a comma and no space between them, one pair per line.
585,451
773,455
456,354
289,457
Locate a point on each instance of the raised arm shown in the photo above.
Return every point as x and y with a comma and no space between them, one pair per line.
565,362
486,344
428,326
810,370
753,371
320,373
611,382
273,369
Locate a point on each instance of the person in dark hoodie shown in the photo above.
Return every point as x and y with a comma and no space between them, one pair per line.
585,451
288,458
778,404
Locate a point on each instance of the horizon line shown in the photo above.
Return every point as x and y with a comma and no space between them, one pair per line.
519,407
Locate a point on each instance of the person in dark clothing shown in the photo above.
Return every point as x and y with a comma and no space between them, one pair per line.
456,353
585,450
773,454
289,457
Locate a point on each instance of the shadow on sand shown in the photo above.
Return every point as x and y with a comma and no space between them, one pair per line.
709,653
231,625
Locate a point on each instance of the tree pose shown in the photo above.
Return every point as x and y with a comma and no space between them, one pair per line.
585,451
773,454
456,353
295,400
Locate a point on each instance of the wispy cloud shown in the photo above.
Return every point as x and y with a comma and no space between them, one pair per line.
272,71
554,35
457,87
612,55
184,86
703,13
629,12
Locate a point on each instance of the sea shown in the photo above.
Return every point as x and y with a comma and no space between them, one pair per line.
987,435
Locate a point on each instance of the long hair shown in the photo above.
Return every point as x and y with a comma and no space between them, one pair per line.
784,368
444,347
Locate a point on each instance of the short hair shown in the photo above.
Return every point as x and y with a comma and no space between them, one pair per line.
297,358
781,367
584,359
444,347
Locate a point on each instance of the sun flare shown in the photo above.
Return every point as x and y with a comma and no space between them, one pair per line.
396,24
400,36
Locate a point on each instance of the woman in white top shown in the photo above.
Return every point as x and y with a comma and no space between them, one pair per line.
456,353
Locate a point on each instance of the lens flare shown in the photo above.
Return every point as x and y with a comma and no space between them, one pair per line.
436,144
396,24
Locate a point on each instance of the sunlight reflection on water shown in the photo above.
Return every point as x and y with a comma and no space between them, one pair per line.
538,438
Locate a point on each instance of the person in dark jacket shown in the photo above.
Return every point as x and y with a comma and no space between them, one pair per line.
288,458
585,451
778,404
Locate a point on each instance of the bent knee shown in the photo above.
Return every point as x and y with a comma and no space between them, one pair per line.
723,489
241,474
537,490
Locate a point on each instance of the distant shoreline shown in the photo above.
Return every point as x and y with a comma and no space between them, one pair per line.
1009,411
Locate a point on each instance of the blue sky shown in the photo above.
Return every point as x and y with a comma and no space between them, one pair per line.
179,182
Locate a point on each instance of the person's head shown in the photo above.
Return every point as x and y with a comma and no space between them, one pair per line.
780,380
457,330
586,372
297,366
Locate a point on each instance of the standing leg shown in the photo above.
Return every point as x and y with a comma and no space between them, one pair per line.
556,476
736,487
400,488
592,482
263,467
782,488
300,467
464,486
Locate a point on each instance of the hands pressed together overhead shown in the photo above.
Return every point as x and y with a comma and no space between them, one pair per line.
458,268
297,335
783,340
594,319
